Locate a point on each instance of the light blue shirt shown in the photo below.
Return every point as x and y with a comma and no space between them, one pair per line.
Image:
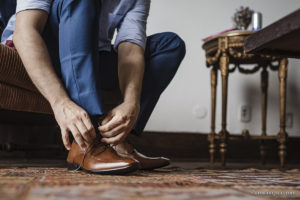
129,17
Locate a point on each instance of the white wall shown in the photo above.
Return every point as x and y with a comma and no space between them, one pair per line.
194,20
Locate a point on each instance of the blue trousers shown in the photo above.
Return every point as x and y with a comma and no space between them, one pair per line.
7,9
71,35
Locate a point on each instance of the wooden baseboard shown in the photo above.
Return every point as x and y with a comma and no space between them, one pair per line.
194,146
38,141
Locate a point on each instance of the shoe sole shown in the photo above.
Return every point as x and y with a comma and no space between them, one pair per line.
115,171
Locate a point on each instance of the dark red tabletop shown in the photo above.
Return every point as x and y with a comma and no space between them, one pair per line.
280,38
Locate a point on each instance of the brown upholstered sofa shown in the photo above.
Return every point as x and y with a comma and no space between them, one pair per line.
17,91
23,106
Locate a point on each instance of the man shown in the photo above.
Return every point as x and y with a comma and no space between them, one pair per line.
65,46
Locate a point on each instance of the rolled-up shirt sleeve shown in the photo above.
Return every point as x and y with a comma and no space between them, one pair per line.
133,27
33,4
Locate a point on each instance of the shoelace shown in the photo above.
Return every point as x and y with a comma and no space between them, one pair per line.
95,143
90,147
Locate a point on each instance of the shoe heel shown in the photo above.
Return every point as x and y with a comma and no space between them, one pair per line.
73,167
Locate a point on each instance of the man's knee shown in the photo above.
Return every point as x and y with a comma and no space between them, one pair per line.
181,47
176,47
167,51
168,43
178,43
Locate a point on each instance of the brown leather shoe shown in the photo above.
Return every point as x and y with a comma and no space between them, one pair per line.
146,163
100,158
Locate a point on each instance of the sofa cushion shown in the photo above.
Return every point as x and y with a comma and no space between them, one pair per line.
18,99
16,88
12,71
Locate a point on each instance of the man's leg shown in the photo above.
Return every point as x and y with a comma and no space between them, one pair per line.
74,23
163,55
72,30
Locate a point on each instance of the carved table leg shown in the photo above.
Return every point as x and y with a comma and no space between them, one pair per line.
211,136
282,135
264,104
224,65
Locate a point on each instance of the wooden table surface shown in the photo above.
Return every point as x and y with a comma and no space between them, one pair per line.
280,38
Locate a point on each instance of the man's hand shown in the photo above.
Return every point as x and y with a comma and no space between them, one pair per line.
119,122
72,118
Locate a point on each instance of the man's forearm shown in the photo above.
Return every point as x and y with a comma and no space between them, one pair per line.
130,78
36,59
119,122
131,71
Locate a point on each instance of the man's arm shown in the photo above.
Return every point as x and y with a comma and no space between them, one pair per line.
131,71
130,43
34,54
119,122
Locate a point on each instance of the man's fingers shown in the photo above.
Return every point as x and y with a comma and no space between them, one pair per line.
116,131
114,140
88,124
84,131
66,138
114,122
77,136
107,118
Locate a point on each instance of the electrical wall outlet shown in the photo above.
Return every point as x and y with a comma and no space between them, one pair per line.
244,113
289,120
199,112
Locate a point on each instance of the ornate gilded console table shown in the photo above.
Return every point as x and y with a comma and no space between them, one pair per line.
224,51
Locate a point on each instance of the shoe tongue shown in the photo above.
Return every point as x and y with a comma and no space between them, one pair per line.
98,148
96,145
